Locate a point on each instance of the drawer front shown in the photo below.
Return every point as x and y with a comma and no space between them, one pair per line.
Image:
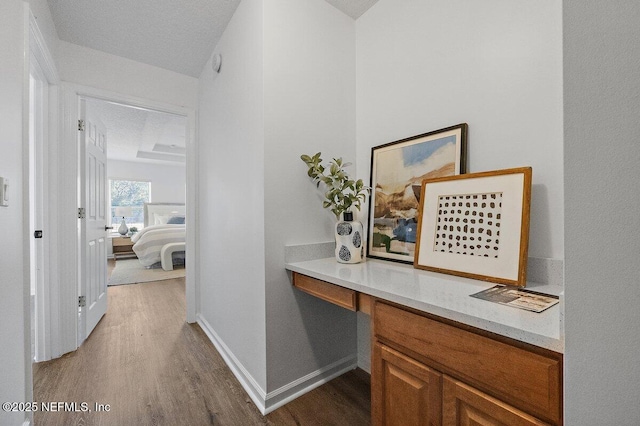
525,379
330,292
122,242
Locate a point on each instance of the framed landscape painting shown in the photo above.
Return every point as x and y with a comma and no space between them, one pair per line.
397,171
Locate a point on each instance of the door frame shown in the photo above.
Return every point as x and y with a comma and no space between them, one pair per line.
69,202
38,200
38,55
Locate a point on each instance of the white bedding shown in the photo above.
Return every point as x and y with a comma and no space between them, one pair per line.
150,240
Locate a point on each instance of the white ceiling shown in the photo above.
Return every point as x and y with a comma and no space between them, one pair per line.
353,8
177,35
170,34
140,135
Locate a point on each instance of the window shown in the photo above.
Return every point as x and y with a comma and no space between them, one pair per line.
129,193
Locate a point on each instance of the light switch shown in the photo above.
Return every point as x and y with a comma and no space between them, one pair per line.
4,189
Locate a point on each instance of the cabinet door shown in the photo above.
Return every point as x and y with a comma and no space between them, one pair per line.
403,391
527,380
464,405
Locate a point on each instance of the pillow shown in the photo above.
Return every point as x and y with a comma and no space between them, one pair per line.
161,219
176,220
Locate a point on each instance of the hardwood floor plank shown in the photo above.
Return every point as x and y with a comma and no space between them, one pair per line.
153,368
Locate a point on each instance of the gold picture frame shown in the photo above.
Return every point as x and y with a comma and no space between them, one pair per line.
476,225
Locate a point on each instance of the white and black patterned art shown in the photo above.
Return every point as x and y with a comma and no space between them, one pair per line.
469,224
476,225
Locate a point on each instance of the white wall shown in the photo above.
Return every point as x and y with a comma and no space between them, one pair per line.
495,64
231,192
15,350
287,87
93,68
602,201
168,181
309,103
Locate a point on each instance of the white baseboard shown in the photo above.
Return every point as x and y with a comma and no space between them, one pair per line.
256,393
289,392
267,402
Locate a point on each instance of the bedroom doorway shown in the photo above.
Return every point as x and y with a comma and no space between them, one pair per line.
162,148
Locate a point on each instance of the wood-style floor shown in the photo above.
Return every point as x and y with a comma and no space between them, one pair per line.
153,368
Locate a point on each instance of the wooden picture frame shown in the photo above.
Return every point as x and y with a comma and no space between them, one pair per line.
476,226
397,171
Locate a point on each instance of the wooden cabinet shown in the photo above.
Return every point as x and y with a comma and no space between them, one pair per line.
470,377
406,392
464,405
122,246
427,370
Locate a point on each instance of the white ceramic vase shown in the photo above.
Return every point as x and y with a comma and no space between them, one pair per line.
123,229
349,239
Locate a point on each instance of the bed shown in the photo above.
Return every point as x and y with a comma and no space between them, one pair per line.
164,228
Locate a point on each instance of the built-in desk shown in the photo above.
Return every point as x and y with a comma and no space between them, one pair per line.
451,358
444,295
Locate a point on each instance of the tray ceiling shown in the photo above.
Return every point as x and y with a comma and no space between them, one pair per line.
140,135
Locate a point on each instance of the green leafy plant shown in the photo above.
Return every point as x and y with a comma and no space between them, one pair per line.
342,193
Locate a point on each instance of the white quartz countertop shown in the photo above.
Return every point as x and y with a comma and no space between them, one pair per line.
443,295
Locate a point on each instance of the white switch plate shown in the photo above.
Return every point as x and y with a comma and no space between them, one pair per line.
4,188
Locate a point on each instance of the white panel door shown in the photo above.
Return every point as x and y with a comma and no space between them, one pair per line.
93,283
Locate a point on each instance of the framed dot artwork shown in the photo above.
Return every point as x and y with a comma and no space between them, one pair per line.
476,225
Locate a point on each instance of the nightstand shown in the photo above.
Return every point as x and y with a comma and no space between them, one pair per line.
122,247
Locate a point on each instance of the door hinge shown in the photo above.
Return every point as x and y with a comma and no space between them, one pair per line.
82,301
81,213
81,125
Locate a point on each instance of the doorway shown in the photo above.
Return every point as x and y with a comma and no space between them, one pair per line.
62,333
145,142
40,219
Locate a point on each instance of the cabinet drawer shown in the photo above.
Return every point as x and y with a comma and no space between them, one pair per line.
330,292
525,379
122,242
